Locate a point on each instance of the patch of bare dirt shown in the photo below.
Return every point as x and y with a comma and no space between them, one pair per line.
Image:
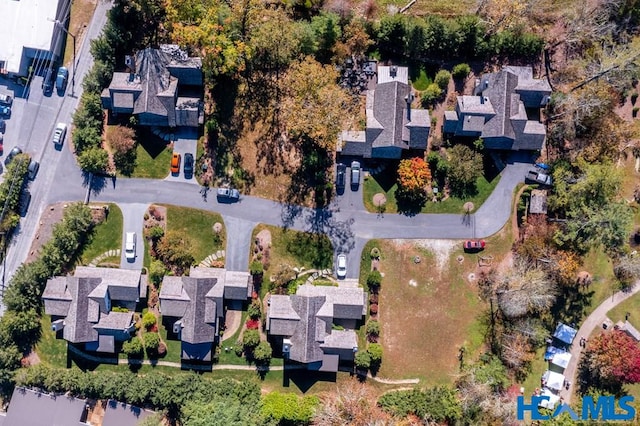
51,216
442,250
31,359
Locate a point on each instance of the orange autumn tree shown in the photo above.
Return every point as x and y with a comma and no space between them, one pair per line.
413,174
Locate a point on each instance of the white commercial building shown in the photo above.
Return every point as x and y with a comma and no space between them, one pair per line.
29,33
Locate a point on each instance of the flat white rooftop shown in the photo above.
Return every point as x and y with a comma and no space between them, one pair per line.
25,24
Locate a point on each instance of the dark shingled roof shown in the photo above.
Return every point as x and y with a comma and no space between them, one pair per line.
31,408
498,111
392,125
306,318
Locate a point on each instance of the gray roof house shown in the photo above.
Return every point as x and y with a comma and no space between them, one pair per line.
504,110
80,305
196,305
163,88
33,408
304,323
392,125
122,414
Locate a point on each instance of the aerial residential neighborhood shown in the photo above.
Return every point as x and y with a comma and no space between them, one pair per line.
319,213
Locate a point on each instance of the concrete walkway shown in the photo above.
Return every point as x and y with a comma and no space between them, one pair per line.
593,321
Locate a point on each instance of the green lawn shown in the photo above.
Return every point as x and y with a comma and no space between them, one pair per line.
106,236
631,305
375,184
50,350
198,226
152,158
174,347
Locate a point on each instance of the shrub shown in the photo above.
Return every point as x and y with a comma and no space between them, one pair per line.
250,339
635,111
373,309
461,71
373,328
149,320
133,348
374,280
155,232
262,353
373,298
162,349
634,97
375,253
256,268
375,353
157,271
362,360
254,310
431,95
151,343
253,324
442,79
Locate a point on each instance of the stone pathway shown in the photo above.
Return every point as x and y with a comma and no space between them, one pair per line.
110,253
206,263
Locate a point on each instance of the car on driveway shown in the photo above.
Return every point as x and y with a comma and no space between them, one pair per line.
5,99
188,165
15,151
175,163
5,111
61,79
3,126
59,134
23,204
355,174
474,245
130,246
340,176
227,194
341,265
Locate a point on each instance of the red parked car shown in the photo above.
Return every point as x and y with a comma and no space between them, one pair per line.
474,245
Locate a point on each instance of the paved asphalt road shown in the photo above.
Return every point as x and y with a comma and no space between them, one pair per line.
347,226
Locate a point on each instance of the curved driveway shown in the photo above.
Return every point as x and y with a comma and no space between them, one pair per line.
349,226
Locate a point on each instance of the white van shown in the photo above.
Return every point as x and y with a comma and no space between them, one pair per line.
130,246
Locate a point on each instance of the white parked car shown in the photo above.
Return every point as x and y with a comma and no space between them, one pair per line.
130,246
341,266
59,134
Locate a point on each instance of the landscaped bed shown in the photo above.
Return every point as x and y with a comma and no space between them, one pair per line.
294,248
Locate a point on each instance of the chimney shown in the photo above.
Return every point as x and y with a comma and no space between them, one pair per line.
130,63
409,99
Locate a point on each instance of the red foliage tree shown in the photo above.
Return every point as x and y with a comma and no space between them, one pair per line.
613,359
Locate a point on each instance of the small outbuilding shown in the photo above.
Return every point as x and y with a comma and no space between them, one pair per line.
538,204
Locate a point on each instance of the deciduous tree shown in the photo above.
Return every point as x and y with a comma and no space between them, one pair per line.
352,403
262,353
315,106
464,169
611,360
250,339
413,174
93,160
121,139
525,289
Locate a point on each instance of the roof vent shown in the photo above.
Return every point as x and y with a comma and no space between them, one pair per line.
393,71
486,84
177,327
